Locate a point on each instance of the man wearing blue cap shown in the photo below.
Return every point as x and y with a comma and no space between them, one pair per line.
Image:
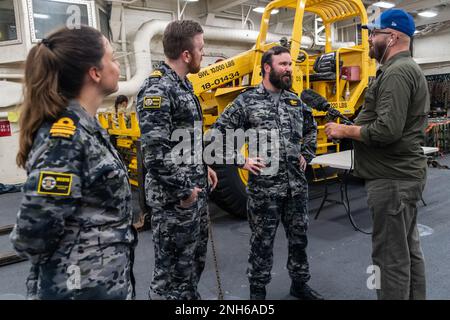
388,134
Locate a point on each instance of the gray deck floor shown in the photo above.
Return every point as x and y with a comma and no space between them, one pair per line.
338,255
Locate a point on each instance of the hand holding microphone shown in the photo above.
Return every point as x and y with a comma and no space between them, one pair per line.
316,101
319,103
335,131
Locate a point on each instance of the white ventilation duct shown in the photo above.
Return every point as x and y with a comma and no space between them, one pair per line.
143,58
156,27
339,45
11,93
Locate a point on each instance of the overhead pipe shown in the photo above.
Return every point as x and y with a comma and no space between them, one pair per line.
125,2
152,28
143,55
11,75
11,93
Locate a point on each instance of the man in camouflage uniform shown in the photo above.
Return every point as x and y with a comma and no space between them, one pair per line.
177,191
283,194
75,219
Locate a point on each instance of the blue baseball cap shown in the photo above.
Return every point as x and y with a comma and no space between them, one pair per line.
396,19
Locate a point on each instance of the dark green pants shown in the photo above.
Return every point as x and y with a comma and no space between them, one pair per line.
395,240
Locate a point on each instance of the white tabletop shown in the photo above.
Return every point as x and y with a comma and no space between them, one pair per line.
428,150
342,160
339,160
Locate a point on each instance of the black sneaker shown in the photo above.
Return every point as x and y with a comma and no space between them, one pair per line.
257,292
304,292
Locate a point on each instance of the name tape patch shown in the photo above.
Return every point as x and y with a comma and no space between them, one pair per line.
152,103
55,183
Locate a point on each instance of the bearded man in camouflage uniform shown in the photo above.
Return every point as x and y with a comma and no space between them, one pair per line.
282,194
176,186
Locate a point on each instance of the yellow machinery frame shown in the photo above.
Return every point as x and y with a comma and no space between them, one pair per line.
211,84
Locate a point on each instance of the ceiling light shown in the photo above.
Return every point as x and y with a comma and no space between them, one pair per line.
191,0
41,16
261,10
428,14
384,4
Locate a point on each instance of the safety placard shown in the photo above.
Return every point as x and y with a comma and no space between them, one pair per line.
5,128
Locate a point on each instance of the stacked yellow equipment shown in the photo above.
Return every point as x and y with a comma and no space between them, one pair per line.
219,83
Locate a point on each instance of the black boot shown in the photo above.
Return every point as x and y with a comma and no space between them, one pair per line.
257,292
302,291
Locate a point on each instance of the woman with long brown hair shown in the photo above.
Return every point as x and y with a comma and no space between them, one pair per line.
75,220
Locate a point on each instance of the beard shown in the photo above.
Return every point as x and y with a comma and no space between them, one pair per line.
194,66
377,51
280,81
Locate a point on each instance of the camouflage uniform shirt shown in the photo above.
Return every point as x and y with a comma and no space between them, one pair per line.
167,103
256,109
75,219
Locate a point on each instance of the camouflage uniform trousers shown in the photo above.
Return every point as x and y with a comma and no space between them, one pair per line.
264,215
180,238
51,281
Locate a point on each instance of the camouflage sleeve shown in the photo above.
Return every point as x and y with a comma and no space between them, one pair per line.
155,121
52,192
309,145
231,119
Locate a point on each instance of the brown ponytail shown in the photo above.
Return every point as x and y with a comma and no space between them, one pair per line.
55,71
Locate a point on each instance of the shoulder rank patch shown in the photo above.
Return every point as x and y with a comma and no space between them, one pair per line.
54,183
152,103
228,106
156,74
248,88
64,128
293,102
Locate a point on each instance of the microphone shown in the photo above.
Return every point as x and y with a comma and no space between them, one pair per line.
319,103
315,100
